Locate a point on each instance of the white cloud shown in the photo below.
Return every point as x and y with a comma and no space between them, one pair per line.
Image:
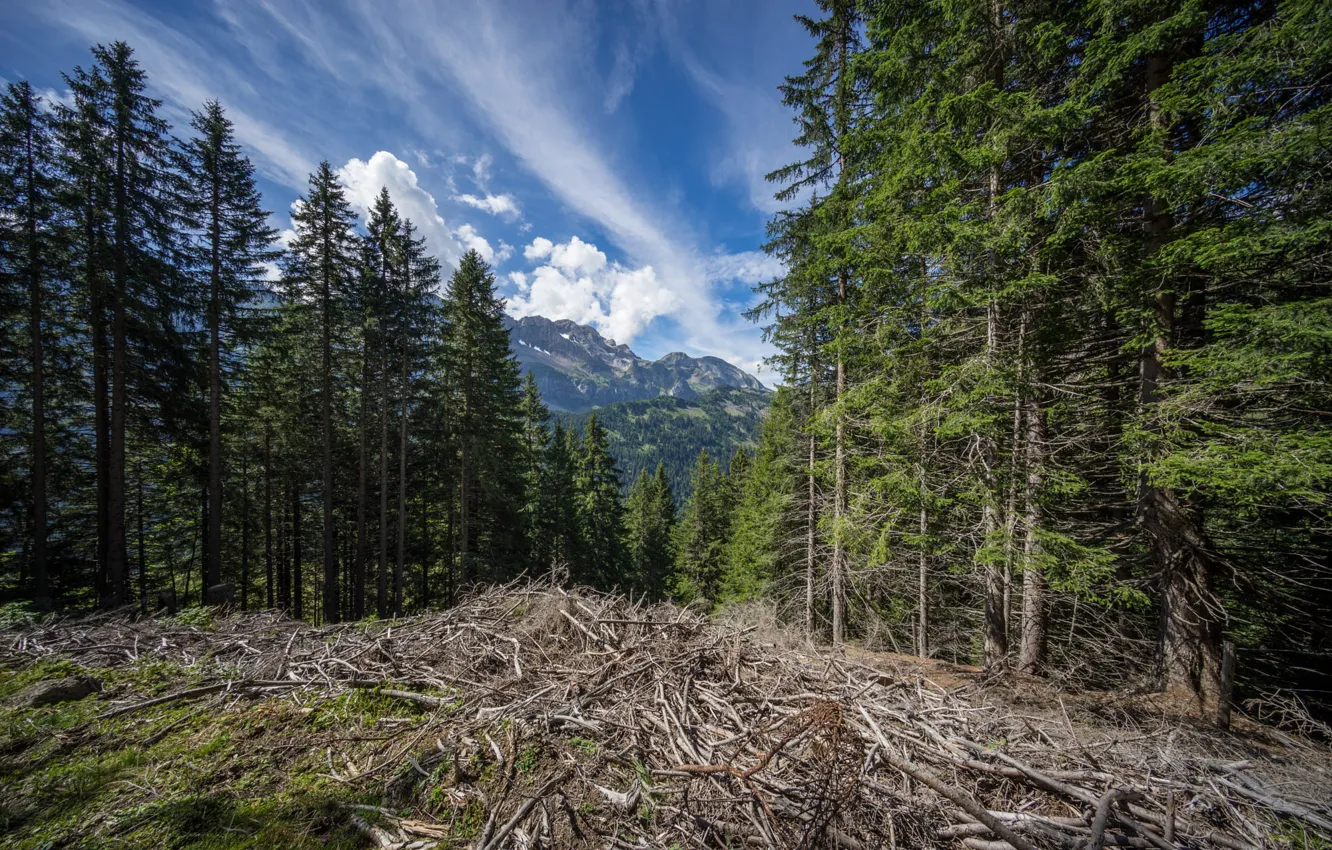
749,267
540,247
473,240
364,180
577,257
174,72
576,282
503,205
481,169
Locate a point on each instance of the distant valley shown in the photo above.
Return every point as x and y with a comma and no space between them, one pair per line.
653,410
673,430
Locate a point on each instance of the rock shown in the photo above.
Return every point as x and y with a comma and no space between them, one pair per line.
54,691
166,601
221,594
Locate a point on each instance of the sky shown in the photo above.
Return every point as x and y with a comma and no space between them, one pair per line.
607,158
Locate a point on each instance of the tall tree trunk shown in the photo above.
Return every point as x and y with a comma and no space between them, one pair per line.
284,550
402,497
245,532
116,555
384,482
41,588
811,519
326,423
1191,612
996,627
1031,655
838,571
101,398
363,495
143,558
268,516
923,575
213,558
297,590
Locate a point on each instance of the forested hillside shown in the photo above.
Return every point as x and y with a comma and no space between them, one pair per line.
672,431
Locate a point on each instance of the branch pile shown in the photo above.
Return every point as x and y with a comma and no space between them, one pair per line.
556,719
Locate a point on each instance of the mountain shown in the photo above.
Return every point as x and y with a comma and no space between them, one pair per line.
577,369
673,429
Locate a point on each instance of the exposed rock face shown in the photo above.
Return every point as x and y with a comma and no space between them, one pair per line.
55,691
578,369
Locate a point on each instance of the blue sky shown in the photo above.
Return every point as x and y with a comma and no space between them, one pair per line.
608,158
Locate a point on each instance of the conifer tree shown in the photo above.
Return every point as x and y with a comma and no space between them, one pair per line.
122,167
536,445
648,524
487,398
700,535
319,280
601,557
556,538
234,243
27,262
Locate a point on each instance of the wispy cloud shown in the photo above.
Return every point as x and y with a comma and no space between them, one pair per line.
523,73
503,205
172,61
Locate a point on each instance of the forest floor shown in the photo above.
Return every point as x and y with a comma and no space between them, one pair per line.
530,717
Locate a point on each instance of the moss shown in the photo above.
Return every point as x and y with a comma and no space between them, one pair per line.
583,745
527,759
205,774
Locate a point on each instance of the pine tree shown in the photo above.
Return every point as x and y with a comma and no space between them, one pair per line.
601,558
701,533
27,259
235,244
536,445
123,188
319,280
763,519
648,524
487,399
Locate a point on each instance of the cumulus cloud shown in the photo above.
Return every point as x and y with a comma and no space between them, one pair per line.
575,281
384,170
503,205
540,247
468,235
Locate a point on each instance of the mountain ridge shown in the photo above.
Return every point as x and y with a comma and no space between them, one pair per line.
577,369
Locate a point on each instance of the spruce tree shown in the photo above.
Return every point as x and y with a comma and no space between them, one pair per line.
557,538
648,522
27,261
536,445
234,242
601,558
319,277
701,533
486,402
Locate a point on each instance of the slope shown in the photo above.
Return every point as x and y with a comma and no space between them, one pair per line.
673,430
655,727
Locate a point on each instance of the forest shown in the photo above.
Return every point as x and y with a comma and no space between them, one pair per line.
1055,339
195,412
1052,331
1030,549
